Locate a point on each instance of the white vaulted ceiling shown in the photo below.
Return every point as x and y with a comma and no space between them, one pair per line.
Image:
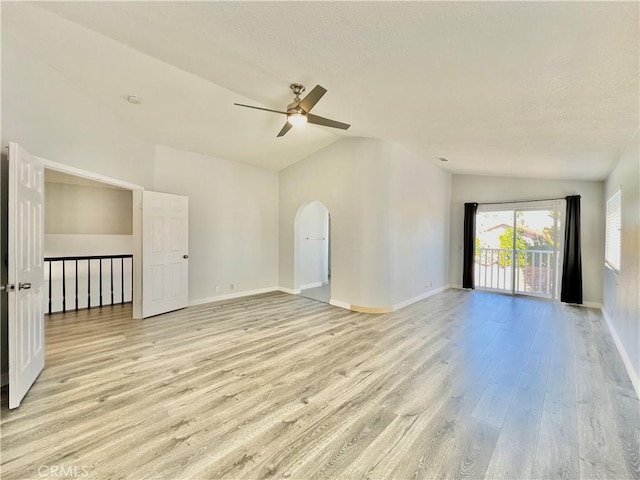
543,89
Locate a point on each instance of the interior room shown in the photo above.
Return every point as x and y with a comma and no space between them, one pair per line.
320,240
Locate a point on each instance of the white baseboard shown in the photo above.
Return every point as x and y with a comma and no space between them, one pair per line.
228,296
597,306
457,286
633,375
340,303
290,291
4,379
422,296
311,285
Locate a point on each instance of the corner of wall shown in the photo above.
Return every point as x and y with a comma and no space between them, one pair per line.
634,375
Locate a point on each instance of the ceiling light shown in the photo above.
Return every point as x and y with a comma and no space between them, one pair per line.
134,99
442,159
297,119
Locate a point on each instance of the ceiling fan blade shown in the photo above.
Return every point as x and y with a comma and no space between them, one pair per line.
260,108
312,98
311,118
285,129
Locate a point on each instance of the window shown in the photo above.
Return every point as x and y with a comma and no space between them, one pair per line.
613,240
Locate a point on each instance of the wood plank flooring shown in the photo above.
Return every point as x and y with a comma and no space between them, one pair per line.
461,385
322,293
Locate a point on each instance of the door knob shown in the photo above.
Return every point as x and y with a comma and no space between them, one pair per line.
24,286
185,256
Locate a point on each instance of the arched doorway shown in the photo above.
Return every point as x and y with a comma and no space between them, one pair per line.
313,251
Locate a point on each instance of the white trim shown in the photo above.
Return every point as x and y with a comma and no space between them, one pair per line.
589,305
633,375
61,167
290,291
595,305
311,285
228,296
340,303
422,296
137,254
457,286
4,379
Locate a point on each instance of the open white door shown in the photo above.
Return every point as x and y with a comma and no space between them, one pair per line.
165,252
26,273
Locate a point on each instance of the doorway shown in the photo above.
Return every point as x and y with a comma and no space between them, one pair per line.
313,230
88,243
518,249
55,168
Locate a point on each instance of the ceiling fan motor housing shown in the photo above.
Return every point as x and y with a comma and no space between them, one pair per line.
297,88
293,107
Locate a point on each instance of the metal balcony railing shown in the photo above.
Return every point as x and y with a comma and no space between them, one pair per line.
88,281
531,272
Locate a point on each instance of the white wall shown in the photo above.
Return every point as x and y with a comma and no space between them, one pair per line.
420,201
233,221
473,188
53,119
313,240
622,292
365,185
82,209
326,176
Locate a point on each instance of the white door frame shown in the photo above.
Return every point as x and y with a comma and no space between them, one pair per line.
297,247
137,221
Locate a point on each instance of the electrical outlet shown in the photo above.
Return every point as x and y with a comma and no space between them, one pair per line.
232,286
217,288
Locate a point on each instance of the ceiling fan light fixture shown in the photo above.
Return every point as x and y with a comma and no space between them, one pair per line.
298,111
297,119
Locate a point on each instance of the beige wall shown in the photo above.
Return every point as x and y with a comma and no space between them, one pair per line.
622,291
474,188
79,209
233,221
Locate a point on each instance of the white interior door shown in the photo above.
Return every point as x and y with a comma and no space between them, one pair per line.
165,252
26,273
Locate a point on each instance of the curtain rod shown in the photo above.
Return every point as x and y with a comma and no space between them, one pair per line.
522,201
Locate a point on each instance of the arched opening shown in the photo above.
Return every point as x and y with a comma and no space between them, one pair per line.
313,251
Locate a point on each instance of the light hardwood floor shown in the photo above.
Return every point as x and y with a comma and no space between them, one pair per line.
460,385
322,293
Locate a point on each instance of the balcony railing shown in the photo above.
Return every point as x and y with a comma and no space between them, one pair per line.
88,281
531,272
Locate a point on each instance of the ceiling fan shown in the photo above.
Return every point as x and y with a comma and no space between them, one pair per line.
298,111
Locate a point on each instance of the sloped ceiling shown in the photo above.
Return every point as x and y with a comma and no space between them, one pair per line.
543,89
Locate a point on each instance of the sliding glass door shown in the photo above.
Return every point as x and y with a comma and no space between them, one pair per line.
517,248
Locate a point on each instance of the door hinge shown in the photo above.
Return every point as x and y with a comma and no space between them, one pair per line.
9,287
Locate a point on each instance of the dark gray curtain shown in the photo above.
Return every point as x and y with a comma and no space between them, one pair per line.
572,264
469,250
